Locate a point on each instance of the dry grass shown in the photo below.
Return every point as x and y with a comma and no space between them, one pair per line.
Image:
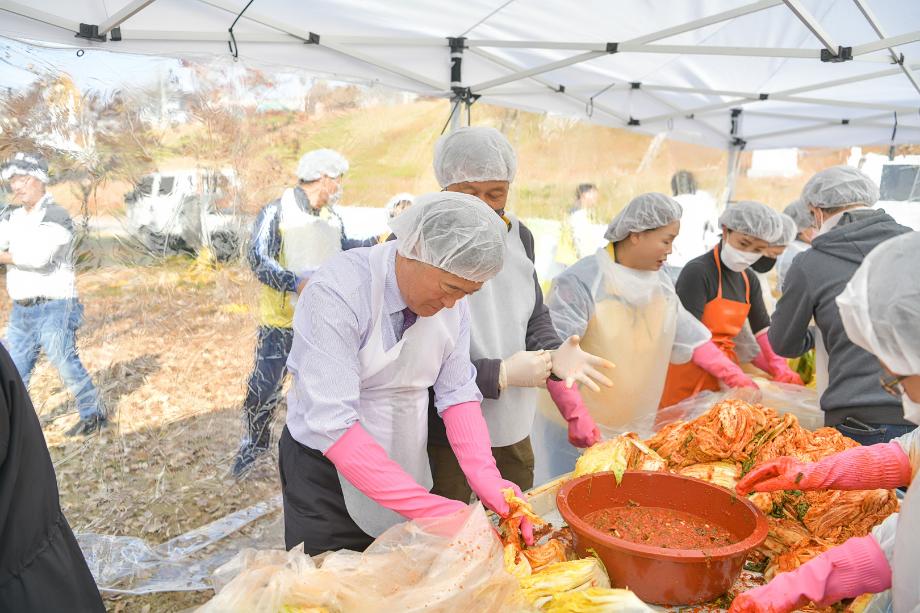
170,348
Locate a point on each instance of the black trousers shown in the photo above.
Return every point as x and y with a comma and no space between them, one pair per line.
41,565
314,506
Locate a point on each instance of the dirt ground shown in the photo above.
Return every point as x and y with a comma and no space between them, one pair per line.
170,347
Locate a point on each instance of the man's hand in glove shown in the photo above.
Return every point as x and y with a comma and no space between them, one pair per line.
525,369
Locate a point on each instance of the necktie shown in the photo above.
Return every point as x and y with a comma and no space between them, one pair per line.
408,319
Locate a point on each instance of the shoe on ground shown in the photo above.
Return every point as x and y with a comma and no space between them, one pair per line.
88,425
245,459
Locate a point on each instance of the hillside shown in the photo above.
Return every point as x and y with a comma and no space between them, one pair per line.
390,149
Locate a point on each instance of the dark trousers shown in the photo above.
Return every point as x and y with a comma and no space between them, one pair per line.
263,393
515,463
876,433
314,506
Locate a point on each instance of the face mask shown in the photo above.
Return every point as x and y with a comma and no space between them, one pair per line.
335,197
911,409
764,264
736,259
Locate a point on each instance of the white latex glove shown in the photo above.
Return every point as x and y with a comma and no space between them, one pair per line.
525,369
571,364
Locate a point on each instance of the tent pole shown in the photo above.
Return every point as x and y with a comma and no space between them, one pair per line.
734,160
812,24
461,98
129,10
558,88
734,156
899,59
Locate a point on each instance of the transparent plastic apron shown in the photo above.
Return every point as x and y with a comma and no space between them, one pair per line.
633,327
393,405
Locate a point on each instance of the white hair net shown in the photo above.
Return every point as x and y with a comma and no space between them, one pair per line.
754,218
474,154
840,186
321,163
644,212
455,232
880,306
801,215
402,197
789,231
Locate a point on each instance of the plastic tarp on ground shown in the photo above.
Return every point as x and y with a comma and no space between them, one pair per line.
684,68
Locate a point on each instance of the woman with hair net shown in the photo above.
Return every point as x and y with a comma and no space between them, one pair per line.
513,343
767,261
717,289
805,228
880,312
624,307
746,346
373,331
806,317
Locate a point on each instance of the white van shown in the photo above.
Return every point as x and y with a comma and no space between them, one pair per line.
899,185
185,210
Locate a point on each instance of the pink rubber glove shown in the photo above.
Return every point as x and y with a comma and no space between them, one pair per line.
711,359
777,366
469,438
583,432
881,466
857,567
366,465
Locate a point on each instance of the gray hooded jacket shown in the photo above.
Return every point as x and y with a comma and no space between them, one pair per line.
814,281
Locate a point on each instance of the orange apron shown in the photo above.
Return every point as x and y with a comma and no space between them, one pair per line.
724,318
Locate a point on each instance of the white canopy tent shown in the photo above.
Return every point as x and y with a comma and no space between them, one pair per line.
725,73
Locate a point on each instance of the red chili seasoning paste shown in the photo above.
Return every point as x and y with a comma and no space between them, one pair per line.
660,527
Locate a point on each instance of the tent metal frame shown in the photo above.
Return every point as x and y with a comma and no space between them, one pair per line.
828,50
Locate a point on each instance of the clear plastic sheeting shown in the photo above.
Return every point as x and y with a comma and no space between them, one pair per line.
550,432
795,399
129,565
453,563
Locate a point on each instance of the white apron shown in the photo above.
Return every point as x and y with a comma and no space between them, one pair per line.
393,404
307,240
634,325
500,313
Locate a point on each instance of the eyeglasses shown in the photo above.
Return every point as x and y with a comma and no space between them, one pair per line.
892,385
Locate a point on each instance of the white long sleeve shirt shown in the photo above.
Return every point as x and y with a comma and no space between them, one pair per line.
40,242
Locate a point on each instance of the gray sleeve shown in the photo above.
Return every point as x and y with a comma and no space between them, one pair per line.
789,333
487,370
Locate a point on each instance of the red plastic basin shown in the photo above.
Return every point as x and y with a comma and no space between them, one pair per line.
658,575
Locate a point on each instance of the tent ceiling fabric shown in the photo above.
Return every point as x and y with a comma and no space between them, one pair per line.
695,63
